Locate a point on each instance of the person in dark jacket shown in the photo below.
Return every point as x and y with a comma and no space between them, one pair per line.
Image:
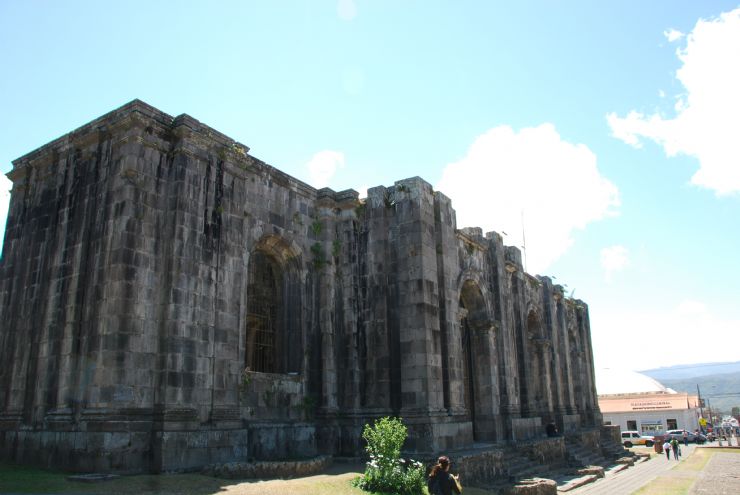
441,482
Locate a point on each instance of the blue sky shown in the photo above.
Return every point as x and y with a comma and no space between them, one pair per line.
607,131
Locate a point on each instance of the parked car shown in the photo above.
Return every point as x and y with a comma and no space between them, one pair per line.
692,437
633,437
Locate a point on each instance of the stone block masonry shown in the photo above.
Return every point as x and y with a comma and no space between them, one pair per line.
169,301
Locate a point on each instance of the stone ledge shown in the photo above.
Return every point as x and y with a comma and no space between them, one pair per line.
578,482
532,486
597,471
269,469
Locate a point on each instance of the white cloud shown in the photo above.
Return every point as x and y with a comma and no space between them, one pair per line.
322,167
555,184
686,333
362,190
673,34
614,259
707,116
346,9
5,186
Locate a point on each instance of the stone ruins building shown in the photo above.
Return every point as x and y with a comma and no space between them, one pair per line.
168,301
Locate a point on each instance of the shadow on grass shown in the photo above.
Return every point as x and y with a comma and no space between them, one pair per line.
335,481
22,479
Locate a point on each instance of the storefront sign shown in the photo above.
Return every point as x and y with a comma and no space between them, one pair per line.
650,405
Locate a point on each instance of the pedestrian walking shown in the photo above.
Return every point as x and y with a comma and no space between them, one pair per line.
674,447
685,438
667,449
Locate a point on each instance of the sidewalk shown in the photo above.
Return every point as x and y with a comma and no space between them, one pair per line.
630,480
721,475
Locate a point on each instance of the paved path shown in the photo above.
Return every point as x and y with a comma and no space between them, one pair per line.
628,481
721,476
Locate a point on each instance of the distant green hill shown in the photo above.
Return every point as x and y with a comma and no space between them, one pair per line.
686,371
721,390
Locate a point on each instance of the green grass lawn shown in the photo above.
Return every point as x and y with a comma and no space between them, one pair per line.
20,479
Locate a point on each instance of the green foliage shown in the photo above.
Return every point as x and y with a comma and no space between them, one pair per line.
246,380
388,200
319,258
238,151
360,210
336,248
316,227
387,471
307,406
267,397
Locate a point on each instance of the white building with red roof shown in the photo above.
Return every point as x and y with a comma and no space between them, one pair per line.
637,402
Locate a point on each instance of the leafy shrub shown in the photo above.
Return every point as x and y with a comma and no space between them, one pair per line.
387,471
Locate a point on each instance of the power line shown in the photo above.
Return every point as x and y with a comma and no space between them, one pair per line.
692,366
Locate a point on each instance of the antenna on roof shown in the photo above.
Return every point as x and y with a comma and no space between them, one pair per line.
524,243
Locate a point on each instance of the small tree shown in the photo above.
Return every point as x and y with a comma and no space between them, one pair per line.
387,471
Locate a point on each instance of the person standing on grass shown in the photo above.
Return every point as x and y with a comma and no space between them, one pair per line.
667,449
674,447
441,482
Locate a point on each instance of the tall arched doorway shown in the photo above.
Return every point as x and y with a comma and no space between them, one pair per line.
473,318
534,362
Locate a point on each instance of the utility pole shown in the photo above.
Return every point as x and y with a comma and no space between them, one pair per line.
701,408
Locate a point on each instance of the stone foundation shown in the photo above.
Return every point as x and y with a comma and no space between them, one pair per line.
526,428
123,451
282,441
266,469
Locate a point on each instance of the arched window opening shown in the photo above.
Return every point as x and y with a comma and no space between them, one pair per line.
264,292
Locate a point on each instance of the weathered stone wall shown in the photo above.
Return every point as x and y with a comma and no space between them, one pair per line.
146,257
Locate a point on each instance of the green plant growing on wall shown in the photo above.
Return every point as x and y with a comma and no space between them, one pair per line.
316,227
238,150
336,248
388,200
132,177
307,406
246,380
297,219
360,210
319,258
